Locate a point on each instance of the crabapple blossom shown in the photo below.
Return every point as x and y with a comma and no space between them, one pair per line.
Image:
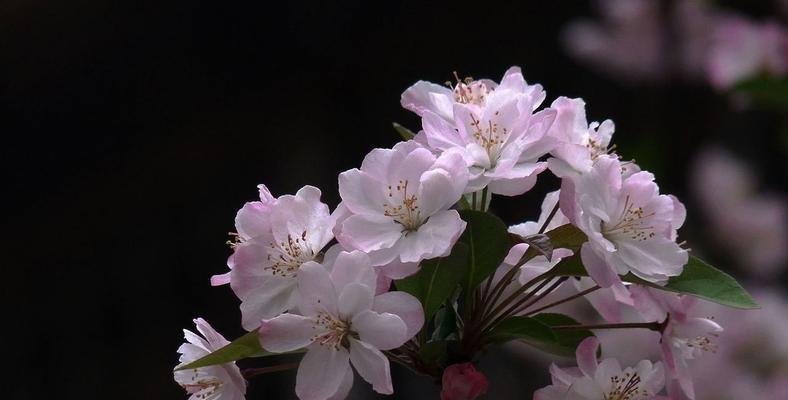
398,204
462,382
593,380
496,131
251,221
630,226
684,337
214,382
580,143
342,322
275,239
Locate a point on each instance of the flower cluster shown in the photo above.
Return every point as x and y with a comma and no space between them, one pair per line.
412,266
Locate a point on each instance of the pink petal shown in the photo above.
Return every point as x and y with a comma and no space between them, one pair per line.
372,365
287,332
586,356
383,330
403,305
352,267
316,289
354,299
322,372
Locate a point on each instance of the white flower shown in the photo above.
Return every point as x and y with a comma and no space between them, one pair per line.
343,323
275,239
630,226
603,381
492,126
398,204
215,382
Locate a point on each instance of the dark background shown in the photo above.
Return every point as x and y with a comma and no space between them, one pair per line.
133,131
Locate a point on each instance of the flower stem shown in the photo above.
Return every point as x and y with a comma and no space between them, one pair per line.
549,219
564,300
654,326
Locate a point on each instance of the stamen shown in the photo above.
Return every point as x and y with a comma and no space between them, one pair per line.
632,222
335,331
291,254
626,387
407,212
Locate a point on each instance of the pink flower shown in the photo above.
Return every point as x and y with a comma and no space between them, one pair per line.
251,221
462,382
742,49
493,127
580,143
630,226
684,338
276,237
602,381
342,322
398,204
215,382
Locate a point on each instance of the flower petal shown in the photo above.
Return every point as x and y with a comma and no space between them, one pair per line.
353,267
372,365
322,372
287,332
403,305
383,330
316,289
586,356
354,299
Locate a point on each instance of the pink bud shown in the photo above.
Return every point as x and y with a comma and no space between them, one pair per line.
463,382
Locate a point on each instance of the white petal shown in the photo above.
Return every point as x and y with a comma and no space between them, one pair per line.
372,365
271,297
403,305
354,299
287,332
369,232
321,373
382,330
353,267
317,291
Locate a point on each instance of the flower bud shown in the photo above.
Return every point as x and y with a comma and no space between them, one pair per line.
463,382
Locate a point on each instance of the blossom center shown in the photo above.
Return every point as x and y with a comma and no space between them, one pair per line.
491,136
633,223
287,256
211,384
403,207
625,387
333,331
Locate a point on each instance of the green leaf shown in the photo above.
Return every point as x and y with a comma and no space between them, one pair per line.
437,279
567,237
488,243
246,346
445,324
526,329
406,133
433,352
566,340
700,279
